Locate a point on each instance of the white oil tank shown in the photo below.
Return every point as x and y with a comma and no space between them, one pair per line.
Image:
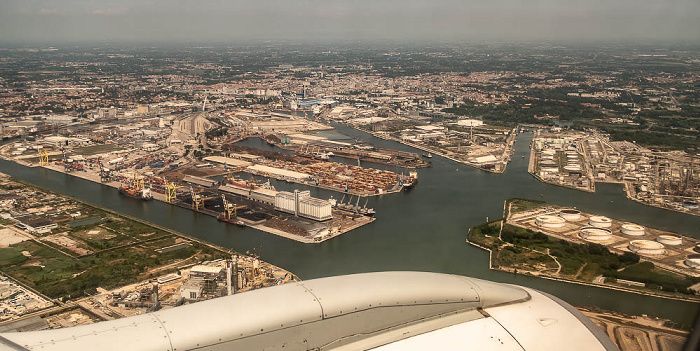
570,214
693,261
670,239
647,247
549,221
632,229
594,234
600,222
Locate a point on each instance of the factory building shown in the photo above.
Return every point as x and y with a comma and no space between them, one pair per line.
260,194
207,183
300,203
35,224
206,272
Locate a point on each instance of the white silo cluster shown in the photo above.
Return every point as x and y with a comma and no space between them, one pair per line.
549,221
573,164
547,163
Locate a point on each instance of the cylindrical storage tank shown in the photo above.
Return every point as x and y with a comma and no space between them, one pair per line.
632,229
549,221
572,168
646,247
693,261
570,214
600,222
670,239
697,248
595,234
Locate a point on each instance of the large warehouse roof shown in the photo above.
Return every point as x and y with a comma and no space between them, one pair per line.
279,171
233,162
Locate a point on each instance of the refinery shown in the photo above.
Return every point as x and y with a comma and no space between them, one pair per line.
579,160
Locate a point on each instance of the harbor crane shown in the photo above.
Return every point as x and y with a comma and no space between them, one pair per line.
138,182
104,172
230,209
43,158
197,201
67,163
171,191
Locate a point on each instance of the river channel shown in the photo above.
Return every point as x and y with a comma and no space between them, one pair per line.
423,229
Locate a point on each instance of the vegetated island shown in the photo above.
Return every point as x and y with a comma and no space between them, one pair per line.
517,249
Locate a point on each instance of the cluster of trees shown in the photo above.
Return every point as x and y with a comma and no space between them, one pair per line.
644,272
216,132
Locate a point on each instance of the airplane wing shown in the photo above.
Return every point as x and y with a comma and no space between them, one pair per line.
370,311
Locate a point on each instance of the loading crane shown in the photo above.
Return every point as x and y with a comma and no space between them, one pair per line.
171,191
230,210
67,163
43,158
104,172
138,182
197,201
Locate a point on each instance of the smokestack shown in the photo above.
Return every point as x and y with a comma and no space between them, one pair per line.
228,278
156,301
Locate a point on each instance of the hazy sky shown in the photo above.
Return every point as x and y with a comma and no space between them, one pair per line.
187,21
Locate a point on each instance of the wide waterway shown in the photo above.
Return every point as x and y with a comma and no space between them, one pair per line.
423,229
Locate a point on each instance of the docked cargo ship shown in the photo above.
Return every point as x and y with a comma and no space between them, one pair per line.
409,182
143,194
349,207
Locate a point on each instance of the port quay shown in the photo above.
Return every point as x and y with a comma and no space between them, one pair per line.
418,230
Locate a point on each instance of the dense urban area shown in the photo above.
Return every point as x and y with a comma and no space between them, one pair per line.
169,124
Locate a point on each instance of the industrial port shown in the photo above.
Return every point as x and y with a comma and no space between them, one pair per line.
165,159
67,263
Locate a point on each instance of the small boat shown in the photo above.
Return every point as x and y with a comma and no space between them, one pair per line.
235,221
428,155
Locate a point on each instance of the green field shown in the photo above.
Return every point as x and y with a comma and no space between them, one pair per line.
95,149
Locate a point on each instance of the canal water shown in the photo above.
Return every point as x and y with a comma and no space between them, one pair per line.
423,229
